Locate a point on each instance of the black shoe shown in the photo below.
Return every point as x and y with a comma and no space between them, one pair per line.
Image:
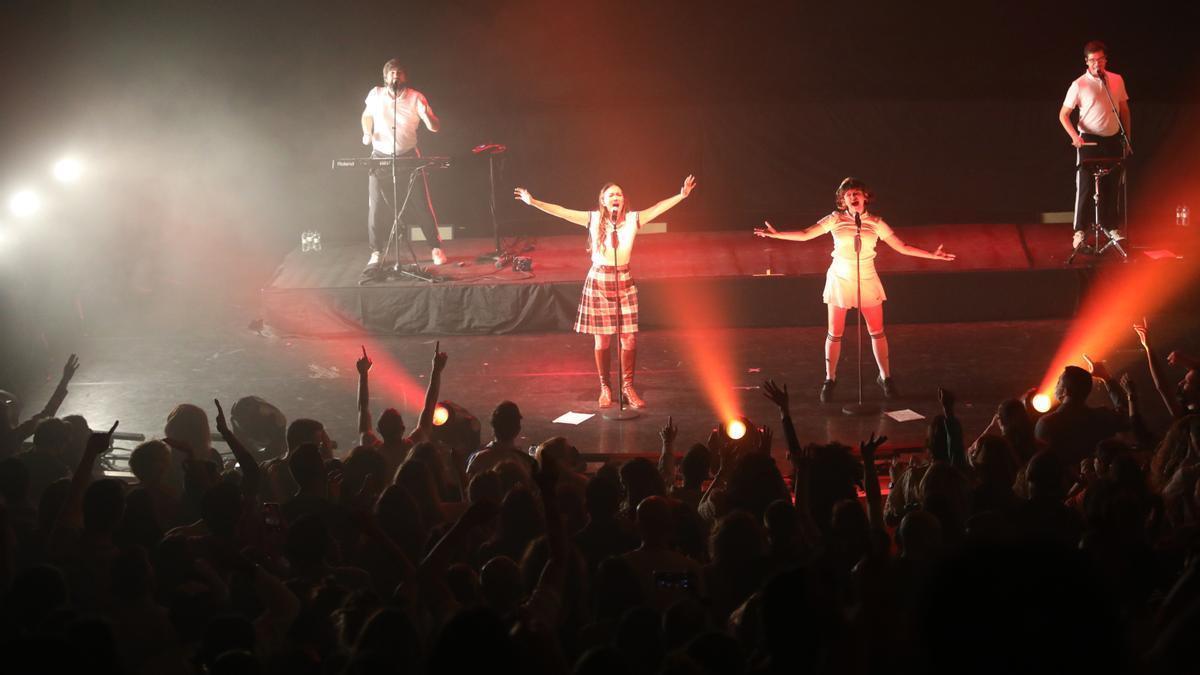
888,385
827,390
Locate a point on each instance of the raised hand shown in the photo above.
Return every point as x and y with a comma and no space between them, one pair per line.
1143,332
523,195
868,447
689,184
669,432
99,442
222,424
439,357
941,254
765,437
776,394
766,231
69,369
364,364
1128,386
1098,368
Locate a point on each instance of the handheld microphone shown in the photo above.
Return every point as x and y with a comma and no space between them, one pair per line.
858,222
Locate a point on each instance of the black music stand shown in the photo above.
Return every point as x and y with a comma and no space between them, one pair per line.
1099,167
499,253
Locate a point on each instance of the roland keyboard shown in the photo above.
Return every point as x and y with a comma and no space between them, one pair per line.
404,163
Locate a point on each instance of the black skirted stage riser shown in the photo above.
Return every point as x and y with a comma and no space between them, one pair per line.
450,309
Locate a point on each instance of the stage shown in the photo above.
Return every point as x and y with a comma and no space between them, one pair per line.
984,326
1004,272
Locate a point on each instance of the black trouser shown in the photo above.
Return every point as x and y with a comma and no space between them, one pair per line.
1112,206
419,209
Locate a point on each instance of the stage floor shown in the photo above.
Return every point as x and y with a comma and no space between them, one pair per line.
139,378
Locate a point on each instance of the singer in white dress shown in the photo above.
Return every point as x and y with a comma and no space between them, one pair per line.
851,218
611,233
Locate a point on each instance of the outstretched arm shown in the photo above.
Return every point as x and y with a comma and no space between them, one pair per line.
666,457
570,215
871,481
251,474
425,421
648,215
807,233
898,244
25,429
363,366
1156,371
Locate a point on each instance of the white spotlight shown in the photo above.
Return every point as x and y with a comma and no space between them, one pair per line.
68,170
24,203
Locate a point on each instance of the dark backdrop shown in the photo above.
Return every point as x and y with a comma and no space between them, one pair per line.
211,120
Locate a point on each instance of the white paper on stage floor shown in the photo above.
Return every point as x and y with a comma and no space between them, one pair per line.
573,418
1161,254
905,415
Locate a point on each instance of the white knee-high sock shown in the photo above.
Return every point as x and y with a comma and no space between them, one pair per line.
833,352
879,345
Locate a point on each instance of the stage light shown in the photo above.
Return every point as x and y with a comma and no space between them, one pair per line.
441,414
24,203
735,429
68,170
1041,402
458,428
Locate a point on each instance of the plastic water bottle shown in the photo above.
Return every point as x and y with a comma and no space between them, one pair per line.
305,241
315,240
1181,215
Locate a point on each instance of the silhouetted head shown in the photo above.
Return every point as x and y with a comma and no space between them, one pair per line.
1074,383
506,421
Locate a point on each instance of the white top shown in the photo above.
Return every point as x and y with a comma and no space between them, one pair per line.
380,106
841,225
1095,110
626,233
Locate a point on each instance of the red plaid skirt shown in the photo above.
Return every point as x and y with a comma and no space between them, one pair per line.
598,304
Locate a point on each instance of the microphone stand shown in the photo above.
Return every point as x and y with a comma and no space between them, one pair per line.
1129,147
398,232
621,413
860,408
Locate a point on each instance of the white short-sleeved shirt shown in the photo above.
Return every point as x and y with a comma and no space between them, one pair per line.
626,233
841,225
1095,110
382,106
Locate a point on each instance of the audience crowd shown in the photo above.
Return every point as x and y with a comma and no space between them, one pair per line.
1060,543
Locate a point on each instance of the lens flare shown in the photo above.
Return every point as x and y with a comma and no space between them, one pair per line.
441,414
735,429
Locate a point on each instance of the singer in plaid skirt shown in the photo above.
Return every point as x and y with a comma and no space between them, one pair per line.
604,286
611,233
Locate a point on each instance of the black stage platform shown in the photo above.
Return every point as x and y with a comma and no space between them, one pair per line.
1003,273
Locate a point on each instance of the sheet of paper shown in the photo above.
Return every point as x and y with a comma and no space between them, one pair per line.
573,418
1161,254
905,415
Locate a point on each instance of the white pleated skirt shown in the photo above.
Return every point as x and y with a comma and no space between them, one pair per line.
841,289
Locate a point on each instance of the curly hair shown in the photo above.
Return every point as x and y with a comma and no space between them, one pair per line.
851,183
